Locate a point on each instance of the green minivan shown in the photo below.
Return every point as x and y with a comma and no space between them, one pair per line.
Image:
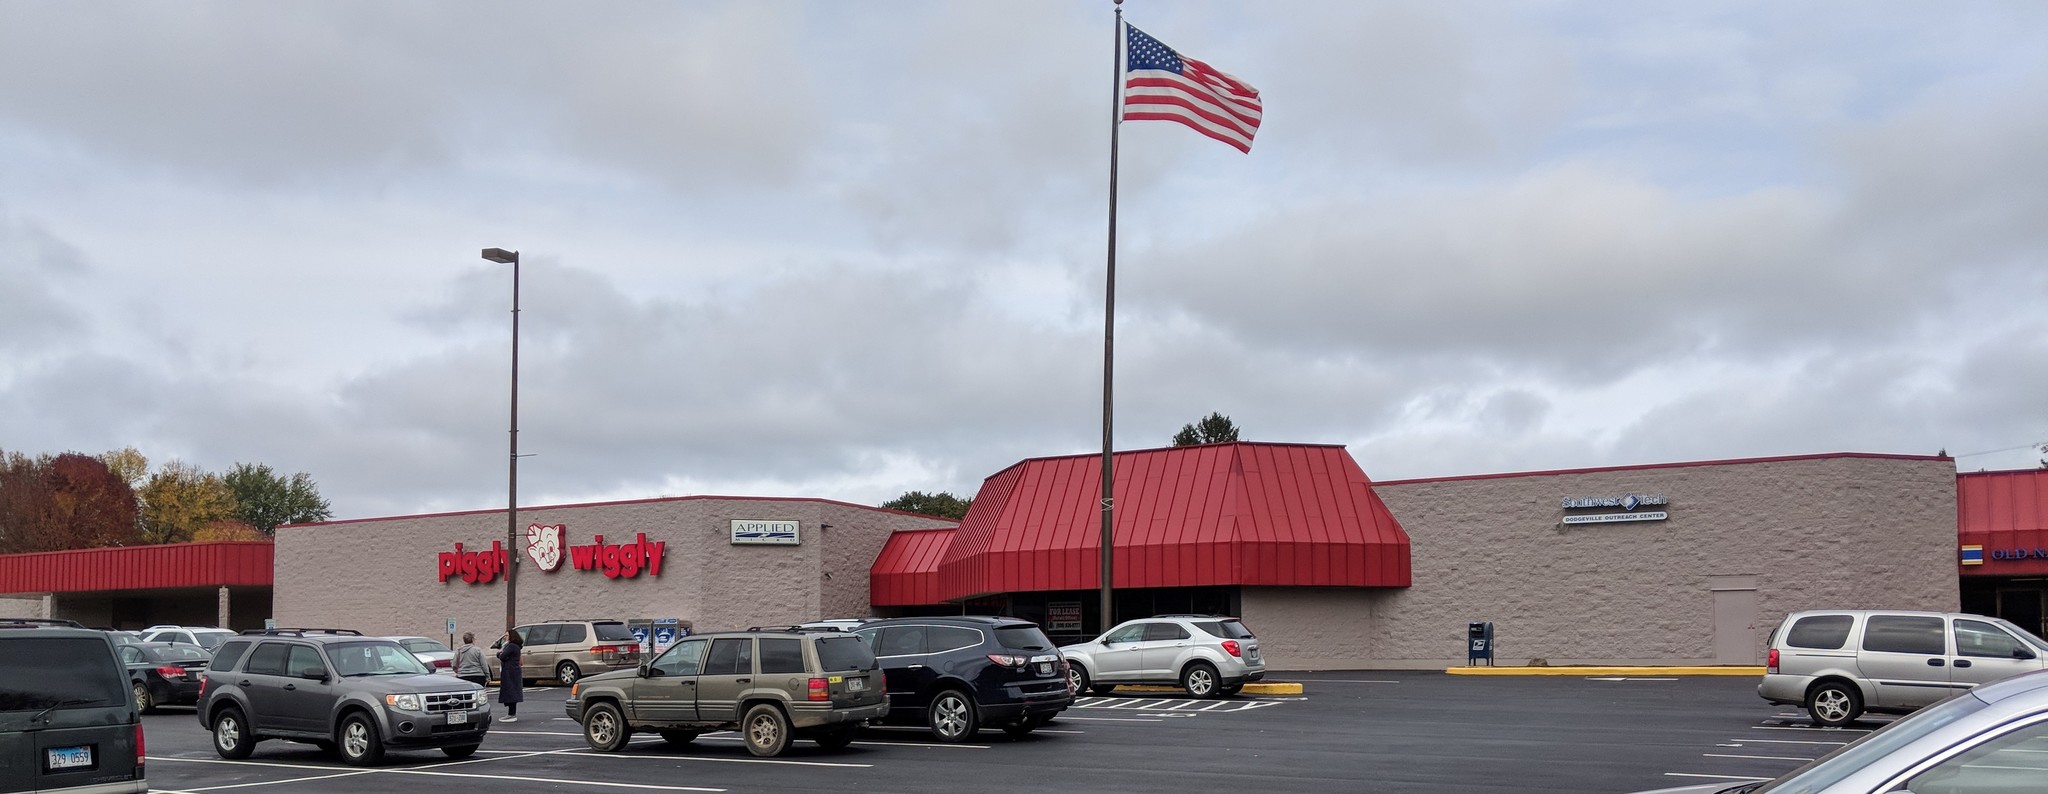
67,718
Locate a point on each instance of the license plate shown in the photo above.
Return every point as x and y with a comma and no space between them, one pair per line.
458,717
70,757
1044,669
856,684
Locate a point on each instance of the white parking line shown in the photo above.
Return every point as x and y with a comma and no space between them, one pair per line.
1792,728
1713,777
280,782
428,770
1785,741
713,759
584,782
1757,757
1113,719
871,744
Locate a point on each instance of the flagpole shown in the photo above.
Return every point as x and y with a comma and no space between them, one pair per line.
1109,333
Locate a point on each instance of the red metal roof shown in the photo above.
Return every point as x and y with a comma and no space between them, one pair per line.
1217,514
2006,512
217,564
906,573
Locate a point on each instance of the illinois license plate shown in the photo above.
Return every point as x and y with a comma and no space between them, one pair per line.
1045,668
458,717
70,757
856,684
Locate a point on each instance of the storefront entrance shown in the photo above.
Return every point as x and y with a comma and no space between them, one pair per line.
2023,600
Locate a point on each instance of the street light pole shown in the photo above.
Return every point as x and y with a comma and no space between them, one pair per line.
513,548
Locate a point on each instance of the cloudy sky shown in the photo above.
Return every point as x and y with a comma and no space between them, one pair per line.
847,250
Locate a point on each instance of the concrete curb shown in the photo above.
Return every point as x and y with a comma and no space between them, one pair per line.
1260,688
1604,671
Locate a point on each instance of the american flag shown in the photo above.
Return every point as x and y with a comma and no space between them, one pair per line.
1163,85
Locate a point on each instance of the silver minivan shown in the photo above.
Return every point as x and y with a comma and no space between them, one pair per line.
1842,663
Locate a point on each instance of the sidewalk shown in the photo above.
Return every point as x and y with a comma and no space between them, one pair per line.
1732,670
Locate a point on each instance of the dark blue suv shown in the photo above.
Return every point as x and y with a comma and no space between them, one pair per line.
958,674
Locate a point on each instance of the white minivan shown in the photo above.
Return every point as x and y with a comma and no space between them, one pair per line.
1842,663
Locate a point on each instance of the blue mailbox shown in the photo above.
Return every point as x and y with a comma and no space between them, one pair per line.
1479,643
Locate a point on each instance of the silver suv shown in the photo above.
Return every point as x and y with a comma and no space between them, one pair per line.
1842,663
1207,655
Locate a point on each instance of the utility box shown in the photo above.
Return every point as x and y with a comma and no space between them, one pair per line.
1479,643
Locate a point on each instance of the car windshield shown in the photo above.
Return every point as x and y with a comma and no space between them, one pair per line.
177,653
1227,629
614,632
424,646
59,672
844,654
1024,638
211,639
1852,758
2024,635
373,658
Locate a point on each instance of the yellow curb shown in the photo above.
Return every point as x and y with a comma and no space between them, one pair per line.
1624,671
1261,688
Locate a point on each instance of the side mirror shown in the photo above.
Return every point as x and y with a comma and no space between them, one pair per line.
646,669
2022,653
314,674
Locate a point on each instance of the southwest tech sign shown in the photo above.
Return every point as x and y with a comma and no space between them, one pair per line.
1627,502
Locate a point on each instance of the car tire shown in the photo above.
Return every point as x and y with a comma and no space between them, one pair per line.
231,736
1102,689
951,716
1023,726
1834,704
568,673
605,729
765,730
145,703
1077,679
460,751
679,739
836,738
360,743
1200,680
1230,690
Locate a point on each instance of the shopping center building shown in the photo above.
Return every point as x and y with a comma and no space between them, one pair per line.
1666,563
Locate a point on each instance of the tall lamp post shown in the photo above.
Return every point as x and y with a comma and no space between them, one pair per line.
513,547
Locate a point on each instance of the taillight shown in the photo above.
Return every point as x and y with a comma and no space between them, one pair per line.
138,750
171,671
203,680
1011,661
819,689
444,663
1231,647
600,650
1773,668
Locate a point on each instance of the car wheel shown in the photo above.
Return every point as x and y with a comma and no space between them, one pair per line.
1102,689
143,702
568,673
604,728
231,737
360,744
1200,680
460,751
951,716
1230,689
1834,704
765,730
679,738
1023,726
837,738
1077,679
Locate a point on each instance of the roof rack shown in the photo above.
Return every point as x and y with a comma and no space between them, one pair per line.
299,632
59,622
798,629
1190,615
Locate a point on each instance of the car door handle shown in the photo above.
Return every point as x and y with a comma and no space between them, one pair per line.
291,687
917,667
1962,663
743,680
244,682
1935,662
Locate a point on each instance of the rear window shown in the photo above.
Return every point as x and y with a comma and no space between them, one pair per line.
1022,638
228,655
1905,634
59,672
781,655
176,653
1822,632
844,654
1227,629
423,646
614,632
211,639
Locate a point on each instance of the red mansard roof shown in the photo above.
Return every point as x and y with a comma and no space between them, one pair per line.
906,573
217,564
1218,514
2005,512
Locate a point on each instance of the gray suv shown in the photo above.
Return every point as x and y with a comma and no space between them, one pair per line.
67,722
338,690
772,685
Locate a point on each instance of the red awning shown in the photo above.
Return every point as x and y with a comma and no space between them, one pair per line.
1218,514
906,573
2006,512
217,564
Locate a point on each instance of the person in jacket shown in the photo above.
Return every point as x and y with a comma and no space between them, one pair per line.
469,661
511,679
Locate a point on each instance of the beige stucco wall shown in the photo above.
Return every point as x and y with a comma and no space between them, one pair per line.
1813,533
22,606
381,575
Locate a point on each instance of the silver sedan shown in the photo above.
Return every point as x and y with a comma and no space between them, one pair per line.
1993,738
433,653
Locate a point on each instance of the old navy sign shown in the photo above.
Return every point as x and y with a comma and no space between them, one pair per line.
614,560
2019,553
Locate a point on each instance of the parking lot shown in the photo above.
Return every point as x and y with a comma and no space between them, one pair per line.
1360,731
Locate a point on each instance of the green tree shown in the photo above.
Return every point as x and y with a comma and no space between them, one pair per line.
1213,429
180,499
265,499
942,504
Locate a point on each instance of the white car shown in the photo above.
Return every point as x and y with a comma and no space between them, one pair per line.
1207,655
208,638
433,653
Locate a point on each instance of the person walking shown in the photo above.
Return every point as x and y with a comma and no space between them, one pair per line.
511,678
469,661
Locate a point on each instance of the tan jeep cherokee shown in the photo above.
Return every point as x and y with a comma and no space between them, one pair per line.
771,685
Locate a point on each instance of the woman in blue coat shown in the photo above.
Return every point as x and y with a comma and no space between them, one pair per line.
511,678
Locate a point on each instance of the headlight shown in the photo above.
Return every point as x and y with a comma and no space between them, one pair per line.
403,702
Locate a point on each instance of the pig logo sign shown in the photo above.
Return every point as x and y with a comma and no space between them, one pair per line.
545,545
